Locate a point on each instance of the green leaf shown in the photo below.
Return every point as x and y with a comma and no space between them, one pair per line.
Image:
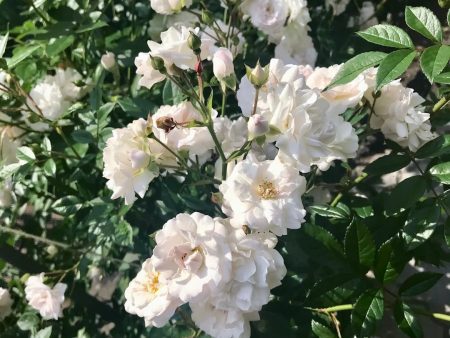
433,61
339,212
406,321
50,167
82,136
104,111
368,310
355,66
393,66
25,155
3,42
59,45
443,78
22,53
9,170
387,35
387,164
28,321
324,237
91,27
386,268
420,225
329,283
128,105
67,205
46,145
321,331
423,21
171,93
441,172
434,148
44,333
419,283
359,245
405,194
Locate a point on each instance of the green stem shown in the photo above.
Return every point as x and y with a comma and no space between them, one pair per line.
337,308
441,316
178,157
224,99
441,103
255,103
339,196
34,237
39,13
210,127
66,141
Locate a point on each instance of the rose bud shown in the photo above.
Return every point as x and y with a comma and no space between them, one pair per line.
223,63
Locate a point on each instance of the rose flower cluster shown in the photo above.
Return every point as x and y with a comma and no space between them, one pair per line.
225,268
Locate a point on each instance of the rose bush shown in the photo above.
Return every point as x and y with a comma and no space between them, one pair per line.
225,169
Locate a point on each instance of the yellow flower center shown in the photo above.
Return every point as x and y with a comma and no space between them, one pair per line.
153,283
267,190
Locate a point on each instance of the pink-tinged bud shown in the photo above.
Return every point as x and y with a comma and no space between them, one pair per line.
257,126
223,63
108,60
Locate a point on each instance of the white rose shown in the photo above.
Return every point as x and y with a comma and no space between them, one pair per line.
49,99
232,134
397,112
66,80
174,48
131,161
296,46
279,73
195,140
5,303
108,60
265,196
236,47
220,323
147,296
168,7
299,12
267,15
343,96
317,136
149,75
46,300
223,63
257,268
192,253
